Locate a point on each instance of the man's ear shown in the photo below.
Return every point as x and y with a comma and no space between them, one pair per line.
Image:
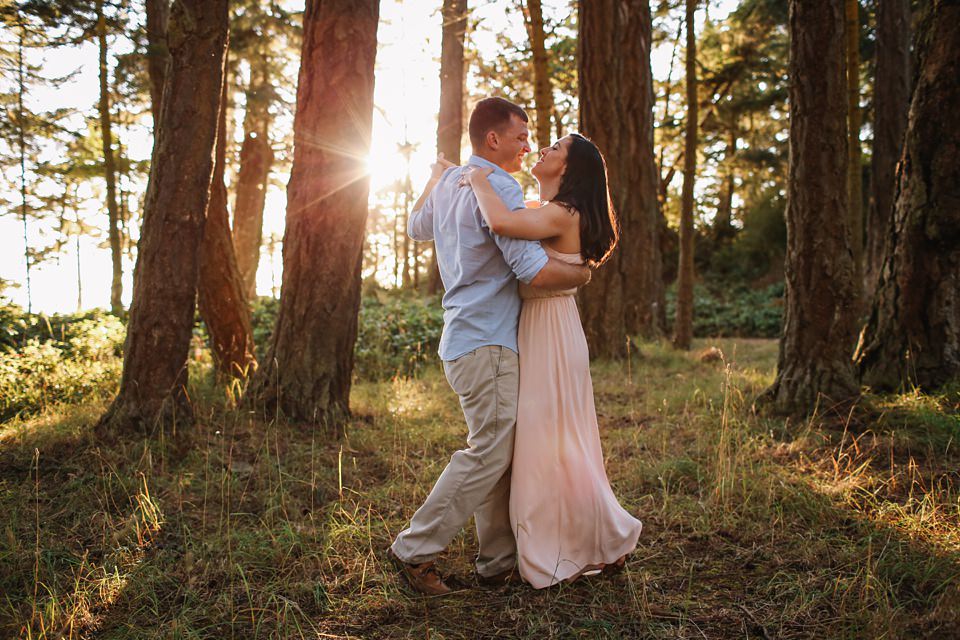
493,140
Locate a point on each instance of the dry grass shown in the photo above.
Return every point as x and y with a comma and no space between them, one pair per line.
838,527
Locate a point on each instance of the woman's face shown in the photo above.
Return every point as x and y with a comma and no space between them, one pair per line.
553,161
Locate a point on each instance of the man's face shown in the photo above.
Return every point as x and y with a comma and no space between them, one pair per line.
513,145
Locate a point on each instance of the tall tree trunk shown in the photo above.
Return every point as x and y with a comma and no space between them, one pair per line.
109,167
616,111
307,372
891,102
221,297
854,170
683,325
913,332
814,365
158,55
22,143
153,384
256,161
542,90
450,119
723,225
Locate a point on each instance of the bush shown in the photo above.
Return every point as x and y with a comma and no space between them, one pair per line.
721,310
45,360
398,332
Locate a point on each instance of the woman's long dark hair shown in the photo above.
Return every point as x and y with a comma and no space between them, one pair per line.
583,188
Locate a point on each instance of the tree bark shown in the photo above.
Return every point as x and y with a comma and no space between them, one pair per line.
153,384
542,90
912,336
616,111
450,119
109,167
723,225
221,298
683,324
307,372
158,55
854,169
256,161
891,103
814,366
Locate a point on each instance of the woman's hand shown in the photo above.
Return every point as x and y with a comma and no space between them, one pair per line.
471,175
438,167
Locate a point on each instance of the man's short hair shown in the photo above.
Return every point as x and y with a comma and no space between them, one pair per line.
492,114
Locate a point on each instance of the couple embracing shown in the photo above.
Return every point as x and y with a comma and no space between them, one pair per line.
532,474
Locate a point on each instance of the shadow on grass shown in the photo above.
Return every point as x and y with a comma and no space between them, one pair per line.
261,530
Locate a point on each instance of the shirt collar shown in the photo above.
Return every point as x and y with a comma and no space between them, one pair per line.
483,162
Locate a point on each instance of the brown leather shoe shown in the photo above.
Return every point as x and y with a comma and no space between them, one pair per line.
510,576
423,577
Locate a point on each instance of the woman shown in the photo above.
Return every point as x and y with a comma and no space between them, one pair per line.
565,517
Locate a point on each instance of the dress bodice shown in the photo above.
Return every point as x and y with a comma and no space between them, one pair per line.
528,291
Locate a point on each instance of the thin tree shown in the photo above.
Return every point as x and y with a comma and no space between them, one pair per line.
307,372
891,91
912,336
158,56
153,384
683,324
220,288
109,164
450,118
814,366
616,111
542,89
264,35
854,152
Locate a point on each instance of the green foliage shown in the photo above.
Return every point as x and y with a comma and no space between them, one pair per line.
45,361
722,310
397,335
398,332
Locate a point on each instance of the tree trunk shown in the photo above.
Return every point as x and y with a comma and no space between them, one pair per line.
723,225
221,298
22,144
450,119
542,91
109,168
158,55
912,336
153,384
891,102
814,364
854,170
683,325
616,111
256,161
307,372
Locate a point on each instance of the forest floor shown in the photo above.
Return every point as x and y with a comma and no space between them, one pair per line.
839,526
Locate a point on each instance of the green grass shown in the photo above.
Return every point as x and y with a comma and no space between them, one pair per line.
753,527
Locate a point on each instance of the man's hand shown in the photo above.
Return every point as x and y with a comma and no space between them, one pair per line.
557,274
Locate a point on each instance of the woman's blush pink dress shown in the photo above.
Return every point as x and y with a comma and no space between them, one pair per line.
562,509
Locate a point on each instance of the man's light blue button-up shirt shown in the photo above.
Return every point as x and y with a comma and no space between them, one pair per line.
479,268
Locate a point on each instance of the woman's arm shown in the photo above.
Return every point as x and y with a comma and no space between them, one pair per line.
436,171
547,221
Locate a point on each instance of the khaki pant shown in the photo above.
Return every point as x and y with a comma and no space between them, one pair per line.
477,479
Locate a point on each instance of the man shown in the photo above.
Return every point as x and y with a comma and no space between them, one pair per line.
479,349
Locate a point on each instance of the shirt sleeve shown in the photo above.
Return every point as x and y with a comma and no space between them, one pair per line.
525,257
420,225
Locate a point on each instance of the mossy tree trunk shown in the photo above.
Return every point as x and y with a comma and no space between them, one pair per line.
616,111
683,323
814,367
912,336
